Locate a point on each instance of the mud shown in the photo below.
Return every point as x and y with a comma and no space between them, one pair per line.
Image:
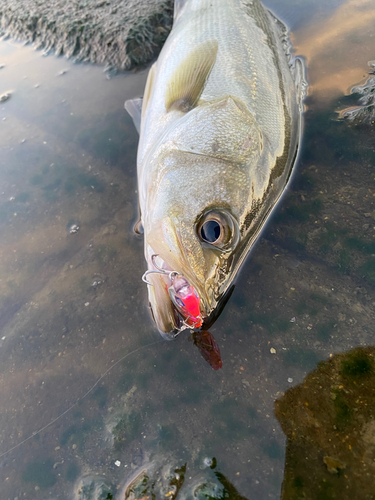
120,35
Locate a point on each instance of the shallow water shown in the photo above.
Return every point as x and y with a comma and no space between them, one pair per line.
90,396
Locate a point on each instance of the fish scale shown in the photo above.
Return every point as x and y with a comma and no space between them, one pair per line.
237,70
219,133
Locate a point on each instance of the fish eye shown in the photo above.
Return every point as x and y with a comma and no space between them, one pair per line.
210,231
218,229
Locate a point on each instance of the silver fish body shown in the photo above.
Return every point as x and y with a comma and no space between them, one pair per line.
219,134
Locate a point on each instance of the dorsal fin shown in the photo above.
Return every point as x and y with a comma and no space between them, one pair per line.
296,64
188,81
299,73
178,6
134,108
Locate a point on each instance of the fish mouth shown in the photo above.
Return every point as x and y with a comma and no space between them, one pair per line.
174,301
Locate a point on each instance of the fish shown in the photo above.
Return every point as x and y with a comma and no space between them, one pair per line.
220,125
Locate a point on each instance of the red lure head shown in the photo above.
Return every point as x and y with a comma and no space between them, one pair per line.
186,299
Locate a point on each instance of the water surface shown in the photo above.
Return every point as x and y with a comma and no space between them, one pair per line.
90,397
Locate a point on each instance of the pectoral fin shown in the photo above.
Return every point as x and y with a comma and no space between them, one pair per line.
148,88
134,108
188,81
178,6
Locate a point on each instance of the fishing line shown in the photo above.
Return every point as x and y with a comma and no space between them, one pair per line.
79,399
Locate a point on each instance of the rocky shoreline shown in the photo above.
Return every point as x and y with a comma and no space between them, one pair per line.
118,34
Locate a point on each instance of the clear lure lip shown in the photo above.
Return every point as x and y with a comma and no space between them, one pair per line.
183,295
186,300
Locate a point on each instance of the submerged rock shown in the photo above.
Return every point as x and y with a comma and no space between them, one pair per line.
93,488
169,482
330,426
5,97
119,34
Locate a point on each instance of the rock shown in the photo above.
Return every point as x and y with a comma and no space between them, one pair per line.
329,419
333,464
5,97
118,34
93,488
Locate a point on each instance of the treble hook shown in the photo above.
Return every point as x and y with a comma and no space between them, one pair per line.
171,274
182,329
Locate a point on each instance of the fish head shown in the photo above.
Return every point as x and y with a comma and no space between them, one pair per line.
208,189
192,233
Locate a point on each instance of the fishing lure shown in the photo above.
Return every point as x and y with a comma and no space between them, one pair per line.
186,300
183,295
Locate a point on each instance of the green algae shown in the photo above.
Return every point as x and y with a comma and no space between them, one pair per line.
321,299
343,411
303,182
298,482
302,307
299,213
357,366
295,245
367,271
344,261
355,243
325,418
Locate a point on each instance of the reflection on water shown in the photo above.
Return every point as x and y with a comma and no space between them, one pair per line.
338,48
330,425
81,361
363,113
